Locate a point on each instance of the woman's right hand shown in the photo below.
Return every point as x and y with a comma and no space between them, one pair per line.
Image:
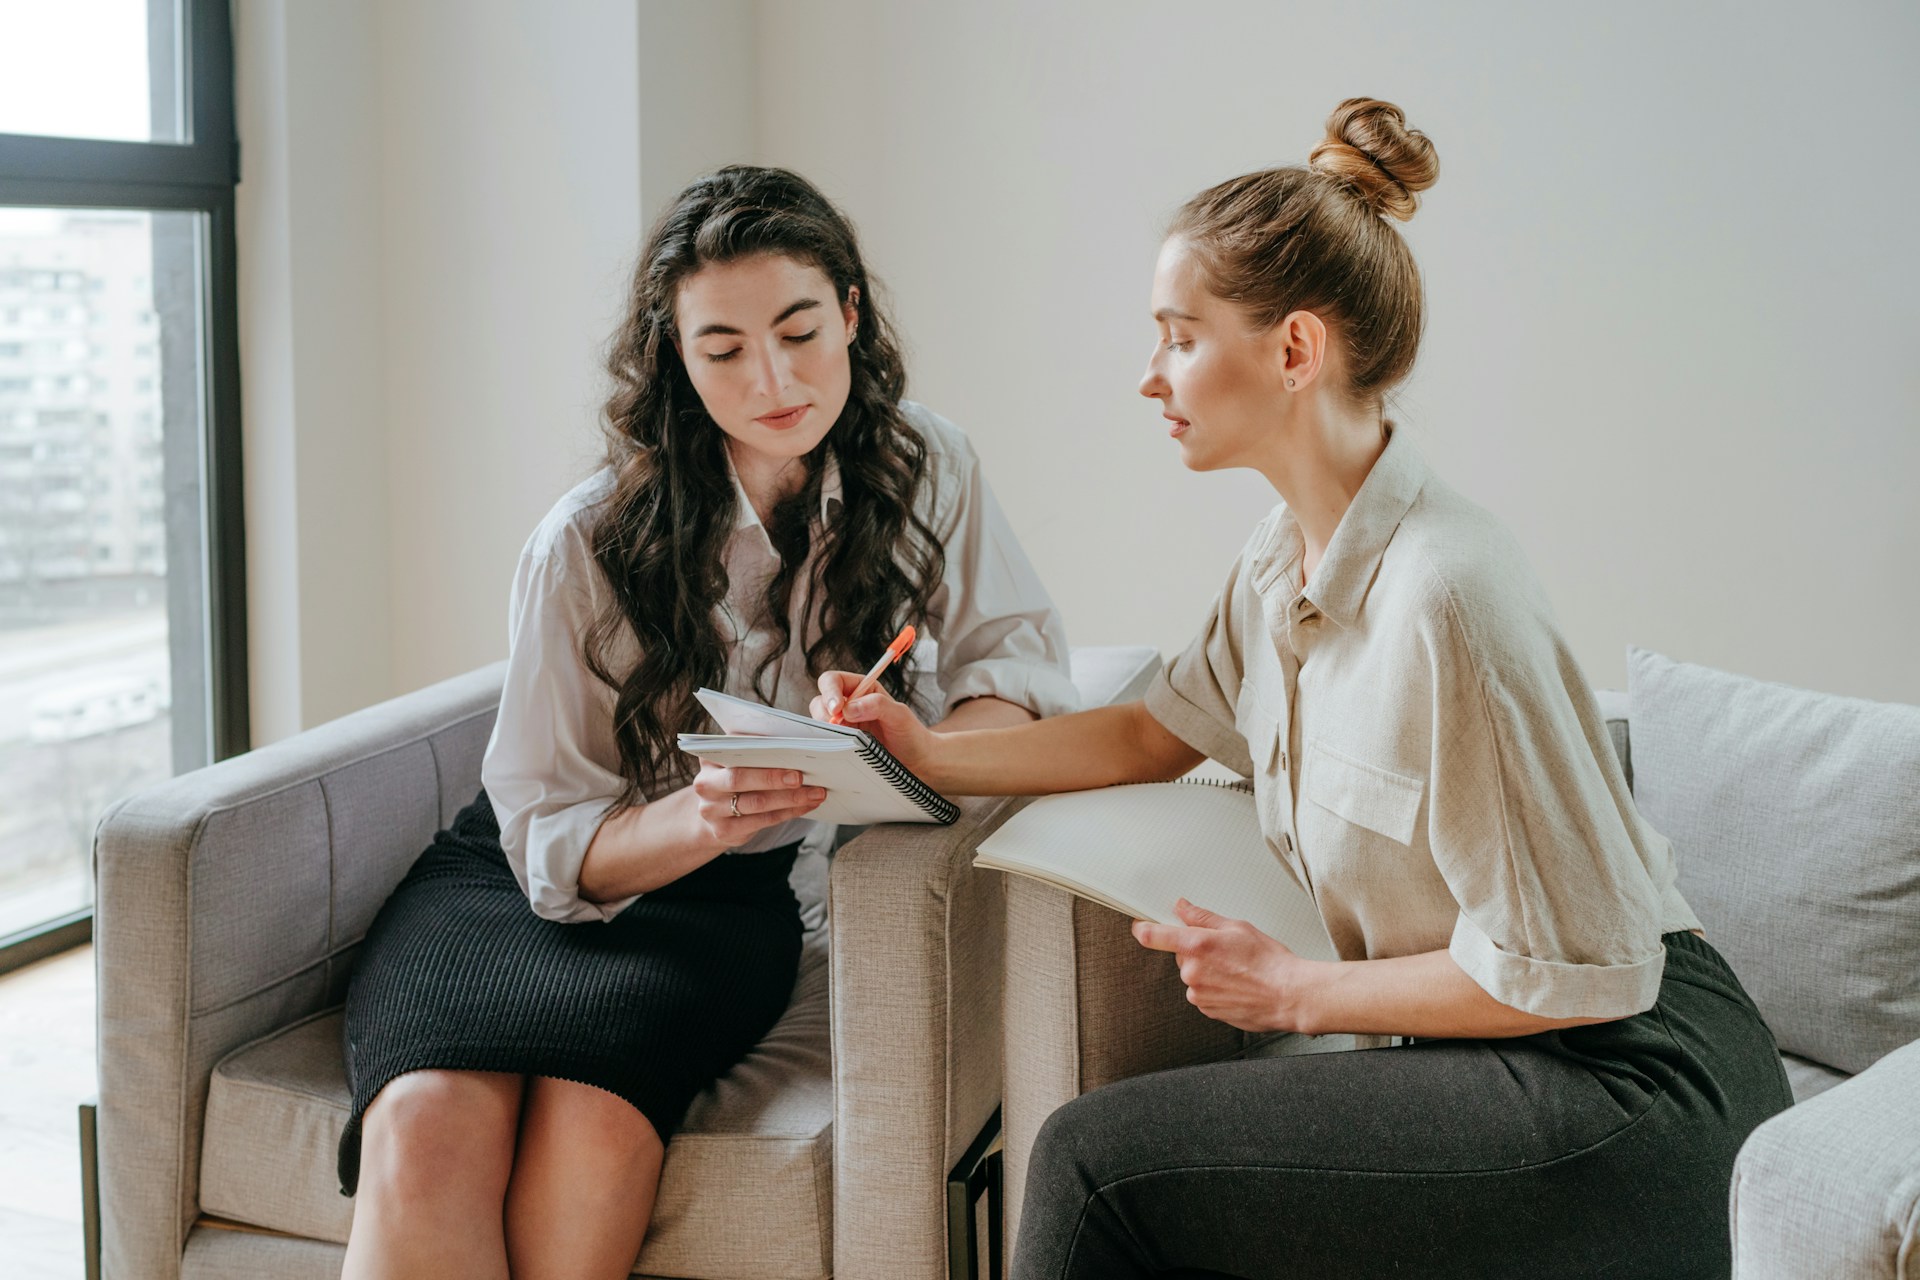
733,804
894,724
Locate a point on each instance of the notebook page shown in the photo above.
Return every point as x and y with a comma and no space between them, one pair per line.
1148,845
737,715
855,793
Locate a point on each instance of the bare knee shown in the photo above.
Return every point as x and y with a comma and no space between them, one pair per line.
438,1135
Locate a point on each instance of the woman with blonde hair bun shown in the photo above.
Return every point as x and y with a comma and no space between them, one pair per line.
1555,1068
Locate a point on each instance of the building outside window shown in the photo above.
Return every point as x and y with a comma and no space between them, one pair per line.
122,645
84,673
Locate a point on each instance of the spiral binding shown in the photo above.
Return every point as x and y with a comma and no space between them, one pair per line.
1242,785
936,806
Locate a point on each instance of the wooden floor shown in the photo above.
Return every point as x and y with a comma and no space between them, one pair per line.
46,1071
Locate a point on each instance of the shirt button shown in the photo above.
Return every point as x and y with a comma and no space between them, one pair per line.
1286,838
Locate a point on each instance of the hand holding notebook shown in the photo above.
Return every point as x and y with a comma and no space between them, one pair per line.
864,782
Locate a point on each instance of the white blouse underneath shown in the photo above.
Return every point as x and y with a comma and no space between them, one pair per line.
552,769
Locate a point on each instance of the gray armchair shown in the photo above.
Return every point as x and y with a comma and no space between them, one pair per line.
232,901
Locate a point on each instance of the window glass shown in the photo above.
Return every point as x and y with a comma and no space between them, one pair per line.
86,688
90,69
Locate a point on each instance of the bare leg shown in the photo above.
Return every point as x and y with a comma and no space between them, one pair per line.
584,1179
436,1154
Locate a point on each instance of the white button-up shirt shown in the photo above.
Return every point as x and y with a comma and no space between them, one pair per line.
1426,755
552,768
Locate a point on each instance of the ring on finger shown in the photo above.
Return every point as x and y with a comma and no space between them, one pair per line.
733,807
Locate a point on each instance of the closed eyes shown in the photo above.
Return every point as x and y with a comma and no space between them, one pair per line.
796,339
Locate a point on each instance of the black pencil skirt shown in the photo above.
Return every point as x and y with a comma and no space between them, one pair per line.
458,973
1603,1151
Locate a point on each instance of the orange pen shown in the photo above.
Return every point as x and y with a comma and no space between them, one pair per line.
901,643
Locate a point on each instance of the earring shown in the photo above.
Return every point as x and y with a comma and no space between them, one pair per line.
1289,384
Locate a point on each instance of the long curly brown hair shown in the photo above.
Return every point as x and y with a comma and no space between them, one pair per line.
660,536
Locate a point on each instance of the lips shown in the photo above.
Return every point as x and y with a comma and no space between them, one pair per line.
782,419
1180,425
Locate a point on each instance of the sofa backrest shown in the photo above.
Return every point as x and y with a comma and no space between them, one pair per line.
1613,707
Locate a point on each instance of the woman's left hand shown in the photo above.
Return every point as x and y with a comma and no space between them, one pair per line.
1234,973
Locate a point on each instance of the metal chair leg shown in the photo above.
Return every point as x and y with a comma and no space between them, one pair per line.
977,1176
90,1186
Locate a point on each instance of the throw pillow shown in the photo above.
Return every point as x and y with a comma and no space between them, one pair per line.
1795,821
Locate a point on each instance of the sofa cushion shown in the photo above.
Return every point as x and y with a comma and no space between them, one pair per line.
1810,1079
1110,673
1796,830
757,1143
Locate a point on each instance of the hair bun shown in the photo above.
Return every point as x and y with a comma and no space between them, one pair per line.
1369,147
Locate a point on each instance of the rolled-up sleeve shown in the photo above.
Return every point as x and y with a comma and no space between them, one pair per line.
1557,914
551,767
999,633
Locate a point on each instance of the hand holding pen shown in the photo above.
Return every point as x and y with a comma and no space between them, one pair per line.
859,701
837,707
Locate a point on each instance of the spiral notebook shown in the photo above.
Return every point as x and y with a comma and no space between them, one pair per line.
1140,847
864,783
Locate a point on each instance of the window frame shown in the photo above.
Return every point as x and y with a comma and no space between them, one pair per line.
197,176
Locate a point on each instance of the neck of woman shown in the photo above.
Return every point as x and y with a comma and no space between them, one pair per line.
768,481
1317,464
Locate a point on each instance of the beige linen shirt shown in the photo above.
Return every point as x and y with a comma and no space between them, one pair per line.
1425,753
551,767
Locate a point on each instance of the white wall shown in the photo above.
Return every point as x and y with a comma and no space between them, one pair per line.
438,213
318,537
699,96
510,173
1672,298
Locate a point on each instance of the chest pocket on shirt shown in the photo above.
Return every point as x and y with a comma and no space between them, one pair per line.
1364,794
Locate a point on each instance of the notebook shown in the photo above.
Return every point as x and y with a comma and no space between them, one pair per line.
864,783
1140,847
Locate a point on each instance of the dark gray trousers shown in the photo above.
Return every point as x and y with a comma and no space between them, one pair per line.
1596,1151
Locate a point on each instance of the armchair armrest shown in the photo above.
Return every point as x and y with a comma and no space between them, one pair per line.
916,966
1086,1005
1831,1186
229,902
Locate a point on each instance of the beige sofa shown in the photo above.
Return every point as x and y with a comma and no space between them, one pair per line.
230,905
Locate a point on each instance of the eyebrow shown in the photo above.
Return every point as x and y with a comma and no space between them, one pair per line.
1168,313
793,309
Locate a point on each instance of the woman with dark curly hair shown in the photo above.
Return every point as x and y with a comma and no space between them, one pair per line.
564,969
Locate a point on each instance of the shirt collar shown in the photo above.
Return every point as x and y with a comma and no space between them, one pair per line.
1347,570
744,515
